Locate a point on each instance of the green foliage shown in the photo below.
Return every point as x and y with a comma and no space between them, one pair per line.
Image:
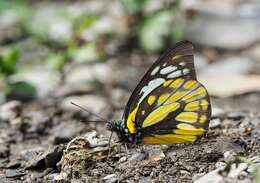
257,175
8,66
20,90
156,22
57,61
133,6
86,53
154,29
86,22
8,61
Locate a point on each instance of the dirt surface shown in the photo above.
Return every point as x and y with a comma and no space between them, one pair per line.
34,136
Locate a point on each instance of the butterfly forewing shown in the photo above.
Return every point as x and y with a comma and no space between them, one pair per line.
176,62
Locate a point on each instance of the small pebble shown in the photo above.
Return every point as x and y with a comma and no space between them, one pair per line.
156,154
110,178
137,157
13,173
214,123
10,110
229,156
220,165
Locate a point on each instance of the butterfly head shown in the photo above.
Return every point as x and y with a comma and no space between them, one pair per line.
122,132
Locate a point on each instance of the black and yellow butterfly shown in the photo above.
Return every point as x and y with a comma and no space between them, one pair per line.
169,105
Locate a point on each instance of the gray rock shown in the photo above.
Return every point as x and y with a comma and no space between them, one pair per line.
230,156
38,122
237,115
89,73
4,150
156,154
70,89
137,157
49,22
214,123
44,80
211,177
14,173
226,25
29,154
64,132
112,178
237,65
47,159
9,25
95,104
221,165
10,110
253,53
95,140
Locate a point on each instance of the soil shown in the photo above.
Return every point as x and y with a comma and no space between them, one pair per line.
34,137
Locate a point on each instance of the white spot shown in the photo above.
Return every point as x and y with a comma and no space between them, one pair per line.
155,70
186,71
175,74
164,64
168,69
182,63
150,87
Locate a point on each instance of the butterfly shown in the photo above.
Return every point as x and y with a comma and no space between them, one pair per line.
169,105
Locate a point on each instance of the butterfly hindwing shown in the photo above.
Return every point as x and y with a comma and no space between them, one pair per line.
176,112
176,62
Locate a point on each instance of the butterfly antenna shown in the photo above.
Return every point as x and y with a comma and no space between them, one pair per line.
84,109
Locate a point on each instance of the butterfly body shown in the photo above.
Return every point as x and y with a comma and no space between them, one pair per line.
169,105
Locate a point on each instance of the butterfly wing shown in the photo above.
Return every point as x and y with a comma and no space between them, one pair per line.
176,112
176,62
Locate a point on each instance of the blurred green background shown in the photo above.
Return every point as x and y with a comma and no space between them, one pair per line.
41,40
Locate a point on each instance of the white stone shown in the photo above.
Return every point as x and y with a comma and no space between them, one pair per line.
211,177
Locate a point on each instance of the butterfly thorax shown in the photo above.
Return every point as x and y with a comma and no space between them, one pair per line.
121,131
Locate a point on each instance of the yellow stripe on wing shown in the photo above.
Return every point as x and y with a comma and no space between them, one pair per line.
130,123
159,114
151,99
187,129
195,95
168,139
189,117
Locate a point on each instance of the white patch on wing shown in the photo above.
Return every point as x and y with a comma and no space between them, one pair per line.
146,90
168,69
155,70
175,74
186,71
